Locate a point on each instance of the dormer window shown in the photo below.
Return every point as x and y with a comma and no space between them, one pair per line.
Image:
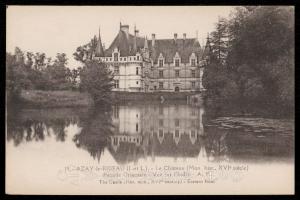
193,62
160,62
116,56
176,62
176,59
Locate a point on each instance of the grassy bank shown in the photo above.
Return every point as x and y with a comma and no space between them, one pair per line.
37,98
155,96
51,99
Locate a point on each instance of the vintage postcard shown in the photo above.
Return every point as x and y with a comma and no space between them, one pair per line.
172,100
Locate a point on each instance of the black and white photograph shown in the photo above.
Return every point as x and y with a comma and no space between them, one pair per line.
150,100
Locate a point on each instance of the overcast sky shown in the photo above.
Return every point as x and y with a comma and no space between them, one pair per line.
53,29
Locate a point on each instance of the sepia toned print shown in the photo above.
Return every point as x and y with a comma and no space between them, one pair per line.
161,100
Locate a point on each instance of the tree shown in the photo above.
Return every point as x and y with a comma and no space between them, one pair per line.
260,55
97,80
39,61
219,41
84,53
16,73
73,76
57,73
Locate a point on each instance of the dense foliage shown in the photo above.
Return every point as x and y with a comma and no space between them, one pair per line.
95,77
253,56
97,80
36,71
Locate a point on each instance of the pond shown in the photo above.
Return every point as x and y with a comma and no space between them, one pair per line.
46,140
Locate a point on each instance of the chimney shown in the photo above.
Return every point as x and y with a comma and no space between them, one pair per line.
175,36
125,28
137,33
184,36
153,39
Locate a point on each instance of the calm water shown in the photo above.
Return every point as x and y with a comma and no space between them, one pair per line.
42,145
135,133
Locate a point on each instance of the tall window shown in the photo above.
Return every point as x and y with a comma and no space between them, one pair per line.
115,141
193,112
193,84
138,57
193,133
116,70
161,111
161,85
161,122
116,83
160,62
177,133
137,71
161,133
193,61
116,112
177,62
176,122
176,73
193,73
115,56
161,74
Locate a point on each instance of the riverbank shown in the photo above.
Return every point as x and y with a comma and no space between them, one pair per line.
51,99
153,96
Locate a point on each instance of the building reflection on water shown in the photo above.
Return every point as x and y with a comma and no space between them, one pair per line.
153,131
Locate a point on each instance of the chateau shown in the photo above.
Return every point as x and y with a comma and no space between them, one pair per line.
142,65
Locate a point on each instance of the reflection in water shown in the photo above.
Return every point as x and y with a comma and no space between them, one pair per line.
95,131
21,128
161,131
133,133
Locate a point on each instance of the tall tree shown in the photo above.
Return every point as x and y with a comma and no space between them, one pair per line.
58,72
219,40
97,79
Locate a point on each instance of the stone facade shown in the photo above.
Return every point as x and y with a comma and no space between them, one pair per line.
142,65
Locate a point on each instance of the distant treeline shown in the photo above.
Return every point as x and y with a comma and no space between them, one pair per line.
36,71
252,56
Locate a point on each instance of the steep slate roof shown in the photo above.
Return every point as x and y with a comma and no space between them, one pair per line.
124,44
168,48
207,50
